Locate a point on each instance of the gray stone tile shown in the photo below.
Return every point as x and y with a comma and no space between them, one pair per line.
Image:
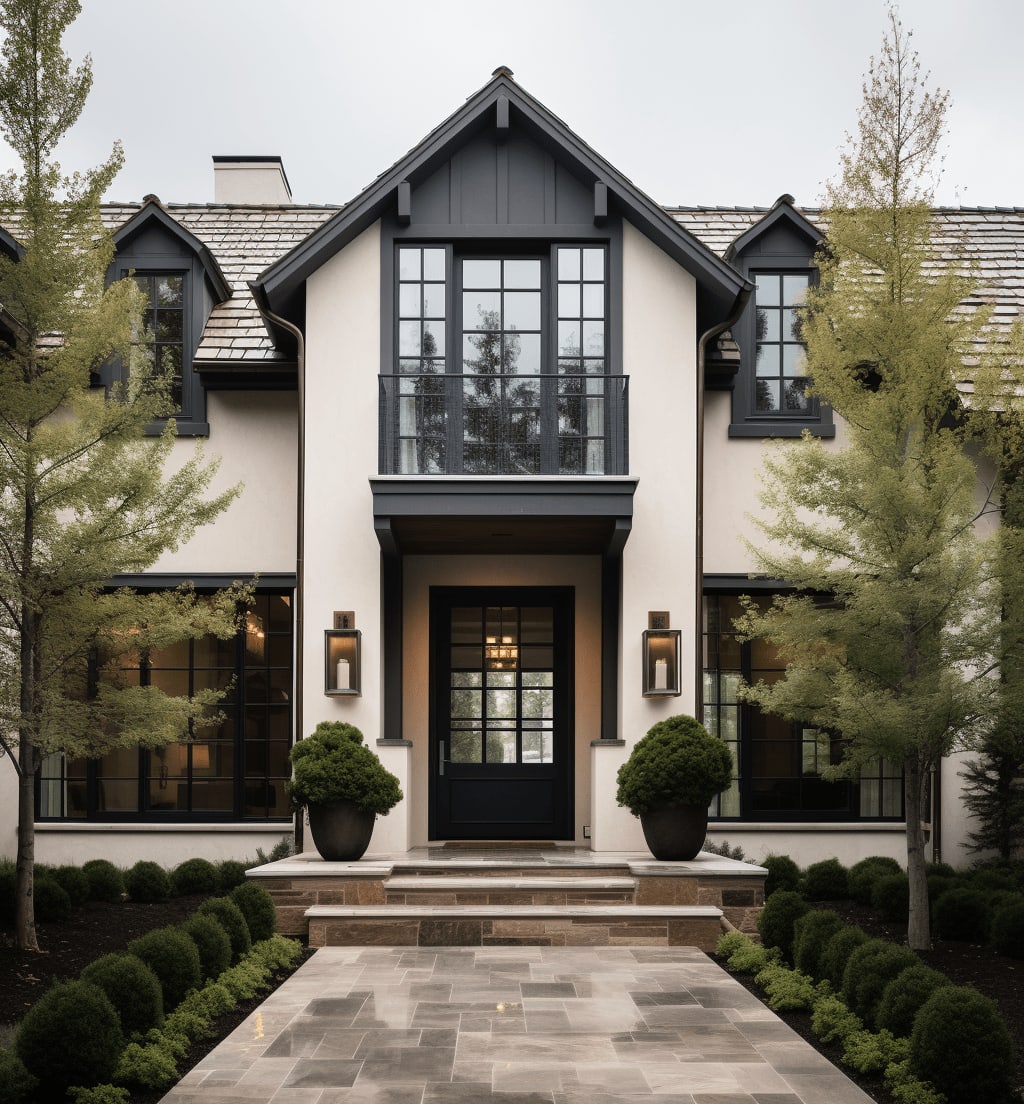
408,1064
322,1073
547,989
481,1093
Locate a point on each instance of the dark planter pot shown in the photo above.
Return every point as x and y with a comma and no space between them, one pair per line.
341,831
674,833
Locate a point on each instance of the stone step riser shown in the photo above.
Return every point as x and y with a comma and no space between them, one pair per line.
440,896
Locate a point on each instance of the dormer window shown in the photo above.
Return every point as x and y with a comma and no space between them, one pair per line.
164,320
780,378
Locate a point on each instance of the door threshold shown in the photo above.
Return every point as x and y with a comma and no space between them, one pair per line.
500,845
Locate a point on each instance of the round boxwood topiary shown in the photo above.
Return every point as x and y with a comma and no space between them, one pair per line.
1007,928
194,876
51,902
904,995
70,1036
939,884
837,951
73,881
869,969
147,882
960,1044
678,762
106,882
134,990
940,869
230,918
211,942
825,881
783,873
230,873
173,957
810,934
17,1085
333,765
776,920
890,897
8,892
257,906
962,914
863,875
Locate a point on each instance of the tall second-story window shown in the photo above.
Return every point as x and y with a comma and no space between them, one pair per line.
164,320
780,357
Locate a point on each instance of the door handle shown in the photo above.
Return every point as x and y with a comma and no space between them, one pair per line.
440,757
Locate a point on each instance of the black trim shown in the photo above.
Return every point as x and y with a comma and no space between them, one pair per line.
203,580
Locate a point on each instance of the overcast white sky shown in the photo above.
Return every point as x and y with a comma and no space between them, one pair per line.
697,102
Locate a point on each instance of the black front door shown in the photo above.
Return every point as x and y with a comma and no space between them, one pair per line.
501,712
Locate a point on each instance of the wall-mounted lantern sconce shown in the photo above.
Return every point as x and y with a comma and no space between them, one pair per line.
342,656
662,672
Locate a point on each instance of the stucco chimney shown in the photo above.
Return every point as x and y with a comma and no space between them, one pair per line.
250,180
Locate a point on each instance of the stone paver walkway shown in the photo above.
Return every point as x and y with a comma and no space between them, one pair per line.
513,1025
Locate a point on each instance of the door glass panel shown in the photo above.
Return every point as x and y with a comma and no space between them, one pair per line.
467,747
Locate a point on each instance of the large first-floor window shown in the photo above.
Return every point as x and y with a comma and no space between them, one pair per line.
778,765
234,769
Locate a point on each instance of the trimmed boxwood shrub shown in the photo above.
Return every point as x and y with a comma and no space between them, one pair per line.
890,897
230,918
1007,928
904,995
941,869
70,1036
134,990
8,889
257,906
960,1044
863,875
194,876
211,942
869,969
52,904
73,881
230,873
837,951
106,882
962,914
147,882
173,957
16,1083
810,934
825,881
939,884
783,873
775,921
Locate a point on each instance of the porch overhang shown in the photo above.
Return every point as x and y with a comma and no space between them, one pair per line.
553,515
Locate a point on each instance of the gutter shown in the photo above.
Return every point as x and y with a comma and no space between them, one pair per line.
300,519
698,606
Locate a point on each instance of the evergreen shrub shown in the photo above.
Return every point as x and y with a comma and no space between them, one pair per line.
134,990
106,881
333,764
147,882
70,1036
8,891
961,1045
194,876
211,942
51,902
783,873
1007,928
864,874
257,906
173,957
230,873
825,881
99,1094
837,951
904,995
16,1083
73,880
775,921
890,897
870,967
940,869
230,918
939,884
962,914
810,934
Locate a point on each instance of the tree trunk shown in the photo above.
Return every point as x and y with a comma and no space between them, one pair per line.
25,913
919,936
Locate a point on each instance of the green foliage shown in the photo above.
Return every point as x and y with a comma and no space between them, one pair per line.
783,873
724,850
16,1083
230,918
775,921
211,942
281,850
941,869
863,875
149,1066
194,876
106,881
246,980
99,1094
837,951
810,934
869,969
832,1021
230,873
74,882
173,957
907,1089
70,1036
333,765
993,793
52,904
729,942
278,952
147,881
8,889
890,897
961,1045
195,1015
787,990
1007,929
134,990
257,906
825,881
904,995
743,955
962,914
937,885
678,762
873,1052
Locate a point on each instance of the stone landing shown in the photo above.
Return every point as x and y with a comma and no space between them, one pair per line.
554,896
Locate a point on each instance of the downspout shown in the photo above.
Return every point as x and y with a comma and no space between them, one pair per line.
698,606
937,812
300,520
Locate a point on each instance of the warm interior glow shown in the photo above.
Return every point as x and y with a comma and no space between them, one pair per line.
501,653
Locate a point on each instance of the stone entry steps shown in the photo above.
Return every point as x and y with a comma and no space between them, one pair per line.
506,889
